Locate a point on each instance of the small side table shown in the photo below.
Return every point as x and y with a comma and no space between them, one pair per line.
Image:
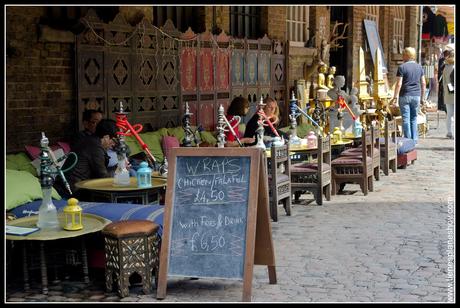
103,190
91,223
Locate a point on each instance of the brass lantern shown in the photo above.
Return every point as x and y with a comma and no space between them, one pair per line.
72,212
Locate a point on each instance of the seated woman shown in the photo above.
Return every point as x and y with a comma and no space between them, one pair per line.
272,112
239,107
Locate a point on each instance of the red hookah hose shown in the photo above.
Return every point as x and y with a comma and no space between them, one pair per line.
128,130
267,120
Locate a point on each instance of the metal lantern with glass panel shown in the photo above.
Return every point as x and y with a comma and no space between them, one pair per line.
72,213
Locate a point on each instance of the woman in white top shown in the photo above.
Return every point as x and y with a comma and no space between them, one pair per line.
449,91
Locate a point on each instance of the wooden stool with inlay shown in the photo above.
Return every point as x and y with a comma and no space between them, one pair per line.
131,246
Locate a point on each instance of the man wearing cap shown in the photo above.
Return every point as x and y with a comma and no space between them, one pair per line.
92,156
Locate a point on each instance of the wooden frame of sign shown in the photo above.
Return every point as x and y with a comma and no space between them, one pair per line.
216,220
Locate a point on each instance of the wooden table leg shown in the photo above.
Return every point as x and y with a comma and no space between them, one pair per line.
25,267
43,268
84,260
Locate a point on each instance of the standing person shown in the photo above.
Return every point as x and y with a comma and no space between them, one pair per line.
448,76
272,112
409,91
239,107
441,64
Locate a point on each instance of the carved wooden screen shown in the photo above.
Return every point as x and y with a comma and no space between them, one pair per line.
155,72
136,65
278,86
251,71
188,69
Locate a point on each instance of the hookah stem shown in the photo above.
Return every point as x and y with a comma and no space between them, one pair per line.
59,170
266,119
232,131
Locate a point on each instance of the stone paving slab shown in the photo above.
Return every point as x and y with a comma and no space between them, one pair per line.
388,246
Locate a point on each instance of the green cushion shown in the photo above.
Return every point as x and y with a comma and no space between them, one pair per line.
208,137
153,141
20,162
23,187
162,132
177,132
134,146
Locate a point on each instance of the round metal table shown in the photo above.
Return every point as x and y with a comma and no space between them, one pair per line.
91,223
103,190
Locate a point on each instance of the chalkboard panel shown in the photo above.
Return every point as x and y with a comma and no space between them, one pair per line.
216,222
209,217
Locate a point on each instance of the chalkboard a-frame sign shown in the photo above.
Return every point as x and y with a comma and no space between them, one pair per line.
217,221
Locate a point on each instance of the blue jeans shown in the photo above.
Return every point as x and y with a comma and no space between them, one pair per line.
409,108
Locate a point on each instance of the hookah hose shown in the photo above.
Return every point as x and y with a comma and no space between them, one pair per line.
128,130
60,171
308,117
230,127
343,104
266,122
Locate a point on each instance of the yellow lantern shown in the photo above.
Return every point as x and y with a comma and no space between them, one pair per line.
72,213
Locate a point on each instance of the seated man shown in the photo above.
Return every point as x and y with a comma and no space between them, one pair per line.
92,157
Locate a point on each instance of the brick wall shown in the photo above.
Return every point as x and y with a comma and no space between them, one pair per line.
40,83
276,22
222,18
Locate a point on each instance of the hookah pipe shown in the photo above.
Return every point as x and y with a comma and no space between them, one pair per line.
44,171
189,133
264,119
308,117
343,105
231,128
126,129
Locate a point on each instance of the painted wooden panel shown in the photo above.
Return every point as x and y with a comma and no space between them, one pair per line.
188,65
252,70
222,70
206,80
207,116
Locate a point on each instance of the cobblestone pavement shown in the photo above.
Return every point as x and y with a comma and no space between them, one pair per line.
388,246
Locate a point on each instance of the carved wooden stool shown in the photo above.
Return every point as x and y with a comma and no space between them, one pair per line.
131,246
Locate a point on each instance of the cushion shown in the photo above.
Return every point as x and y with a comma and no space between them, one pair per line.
280,178
34,151
405,145
208,137
349,161
133,145
153,141
65,146
23,187
21,162
130,227
57,154
307,167
177,132
169,142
